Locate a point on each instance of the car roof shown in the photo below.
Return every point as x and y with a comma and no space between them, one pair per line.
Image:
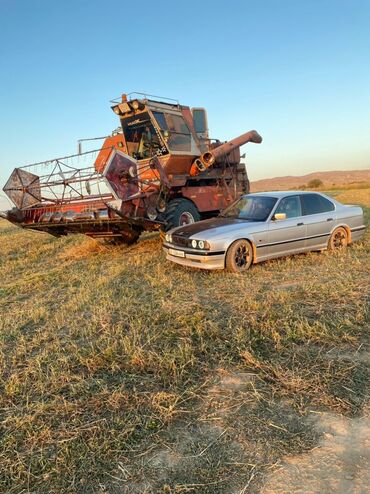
282,193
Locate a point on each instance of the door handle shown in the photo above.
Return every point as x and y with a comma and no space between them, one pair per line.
329,219
300,224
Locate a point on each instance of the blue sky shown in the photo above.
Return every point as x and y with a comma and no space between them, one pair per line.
296,71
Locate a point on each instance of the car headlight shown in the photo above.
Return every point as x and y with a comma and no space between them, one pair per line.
200,244
168,237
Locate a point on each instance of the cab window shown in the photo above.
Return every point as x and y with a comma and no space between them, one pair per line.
161,121
179,136
315,204
141,137
291,206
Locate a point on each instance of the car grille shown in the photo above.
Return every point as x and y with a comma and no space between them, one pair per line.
180,241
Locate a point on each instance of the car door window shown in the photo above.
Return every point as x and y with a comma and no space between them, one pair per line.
315,203
291,206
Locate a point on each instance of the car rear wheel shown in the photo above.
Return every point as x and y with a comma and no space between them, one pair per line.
239,256
338,239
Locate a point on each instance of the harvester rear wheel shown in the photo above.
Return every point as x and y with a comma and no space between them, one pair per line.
180,212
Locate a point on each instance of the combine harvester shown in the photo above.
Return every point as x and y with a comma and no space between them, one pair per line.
159,170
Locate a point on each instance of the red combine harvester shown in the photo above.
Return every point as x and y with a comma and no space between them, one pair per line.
159,170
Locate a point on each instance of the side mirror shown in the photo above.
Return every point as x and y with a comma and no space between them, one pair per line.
279,216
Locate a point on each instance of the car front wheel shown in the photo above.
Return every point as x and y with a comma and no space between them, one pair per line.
239,256
338,239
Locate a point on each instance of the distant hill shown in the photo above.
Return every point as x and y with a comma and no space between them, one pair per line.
328,178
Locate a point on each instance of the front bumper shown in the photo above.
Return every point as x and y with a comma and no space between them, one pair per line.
200,260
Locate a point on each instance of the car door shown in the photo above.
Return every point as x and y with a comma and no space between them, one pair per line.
319,217
287,236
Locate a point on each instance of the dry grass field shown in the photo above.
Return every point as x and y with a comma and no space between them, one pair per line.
121,373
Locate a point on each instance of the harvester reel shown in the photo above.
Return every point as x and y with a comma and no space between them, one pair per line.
23,188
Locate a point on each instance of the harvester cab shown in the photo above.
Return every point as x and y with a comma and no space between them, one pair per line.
172,133
159,170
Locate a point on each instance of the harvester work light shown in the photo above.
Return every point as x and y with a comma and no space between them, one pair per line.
136,105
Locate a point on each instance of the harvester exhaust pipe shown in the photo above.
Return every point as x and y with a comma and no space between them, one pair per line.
208,158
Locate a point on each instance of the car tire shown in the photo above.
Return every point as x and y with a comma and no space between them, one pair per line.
180,212
338,239
239,256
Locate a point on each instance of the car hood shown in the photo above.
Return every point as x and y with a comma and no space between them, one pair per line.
215,227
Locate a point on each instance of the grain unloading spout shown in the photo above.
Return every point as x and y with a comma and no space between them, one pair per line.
208,158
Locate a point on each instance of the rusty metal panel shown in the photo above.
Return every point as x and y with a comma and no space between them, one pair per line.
209,197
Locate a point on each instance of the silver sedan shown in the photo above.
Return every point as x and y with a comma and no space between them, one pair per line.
264,226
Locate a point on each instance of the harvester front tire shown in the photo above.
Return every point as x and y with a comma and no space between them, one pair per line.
180,212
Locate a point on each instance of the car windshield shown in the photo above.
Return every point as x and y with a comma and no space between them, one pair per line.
251,208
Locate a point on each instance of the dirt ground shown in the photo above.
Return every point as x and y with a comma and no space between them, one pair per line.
339,464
